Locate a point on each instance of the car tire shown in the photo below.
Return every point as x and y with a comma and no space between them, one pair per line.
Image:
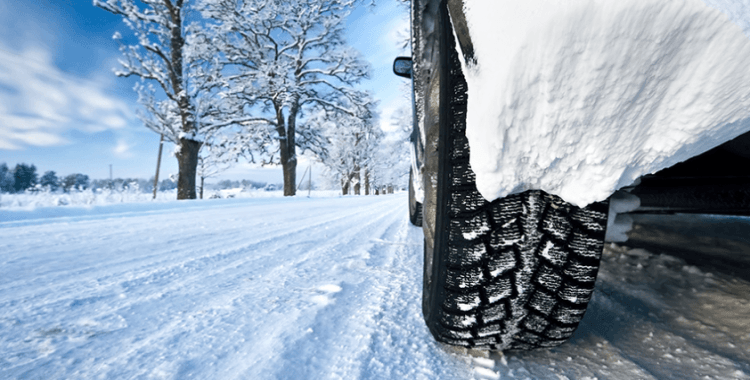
514,273
415,208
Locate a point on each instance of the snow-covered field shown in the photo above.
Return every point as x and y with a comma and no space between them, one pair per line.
98,197
314,288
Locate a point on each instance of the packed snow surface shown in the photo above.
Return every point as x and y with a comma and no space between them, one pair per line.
581,97
314,288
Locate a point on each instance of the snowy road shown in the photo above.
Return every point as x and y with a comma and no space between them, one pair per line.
322,288
246,289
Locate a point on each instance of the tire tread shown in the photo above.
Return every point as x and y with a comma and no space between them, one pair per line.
534,239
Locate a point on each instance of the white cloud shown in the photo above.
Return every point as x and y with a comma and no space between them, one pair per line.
27,134
6,145
122,149
41,102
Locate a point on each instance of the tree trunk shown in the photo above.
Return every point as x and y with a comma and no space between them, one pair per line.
345,187
357,185
187,162
287,146
367,182
187,158
289,167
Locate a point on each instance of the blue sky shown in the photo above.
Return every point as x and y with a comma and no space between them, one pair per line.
63,109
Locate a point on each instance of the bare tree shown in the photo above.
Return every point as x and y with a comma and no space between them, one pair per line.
163,55
283,60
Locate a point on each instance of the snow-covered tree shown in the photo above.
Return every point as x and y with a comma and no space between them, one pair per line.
166,56
282,60
50,181
391,168
24,177
75,181
217,154
352,148
6,178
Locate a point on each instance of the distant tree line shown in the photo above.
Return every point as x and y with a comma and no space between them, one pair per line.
24,177
19,179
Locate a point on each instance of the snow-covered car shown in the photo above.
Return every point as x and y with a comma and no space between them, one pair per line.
537,122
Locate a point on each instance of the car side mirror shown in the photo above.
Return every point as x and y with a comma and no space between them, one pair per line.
402,67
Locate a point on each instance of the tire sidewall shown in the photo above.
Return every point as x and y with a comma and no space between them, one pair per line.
438,122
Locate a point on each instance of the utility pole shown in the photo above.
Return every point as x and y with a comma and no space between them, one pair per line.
309,182
158,163
303,178
110,176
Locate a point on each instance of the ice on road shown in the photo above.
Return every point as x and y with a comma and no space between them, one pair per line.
320,288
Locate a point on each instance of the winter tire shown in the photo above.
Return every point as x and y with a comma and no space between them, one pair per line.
415,208
514,273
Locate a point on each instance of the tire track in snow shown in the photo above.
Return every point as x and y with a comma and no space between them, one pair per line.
400,333
165,262
342,258
342,328
376,318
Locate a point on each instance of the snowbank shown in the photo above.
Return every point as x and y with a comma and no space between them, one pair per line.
88,197
581,97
